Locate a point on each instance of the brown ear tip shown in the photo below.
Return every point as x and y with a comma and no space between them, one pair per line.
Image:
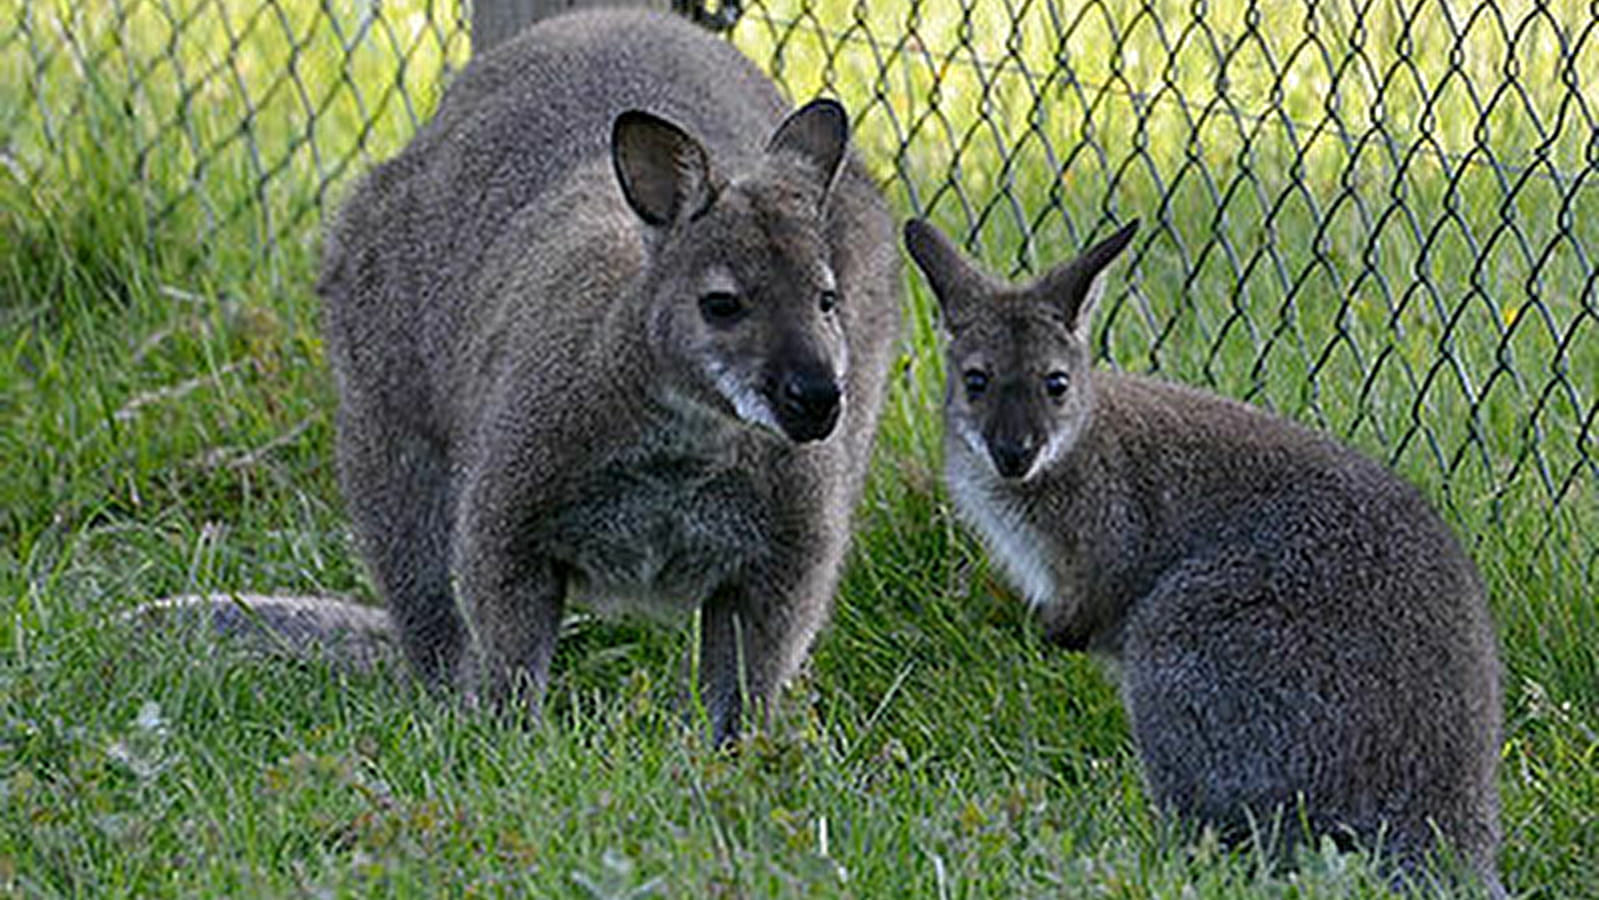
1117,242
630,118
925,242
827,114
640,118
829,107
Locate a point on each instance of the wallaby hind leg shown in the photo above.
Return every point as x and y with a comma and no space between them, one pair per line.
514,628
396,489
512,599
1250,711
1232,714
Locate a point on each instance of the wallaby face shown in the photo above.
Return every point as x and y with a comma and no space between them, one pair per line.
1018,358
742,288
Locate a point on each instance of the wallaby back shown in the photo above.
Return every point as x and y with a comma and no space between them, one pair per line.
1296,628
614,326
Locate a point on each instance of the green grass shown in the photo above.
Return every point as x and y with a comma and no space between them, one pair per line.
165,425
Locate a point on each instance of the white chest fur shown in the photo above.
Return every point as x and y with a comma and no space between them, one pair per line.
1022,552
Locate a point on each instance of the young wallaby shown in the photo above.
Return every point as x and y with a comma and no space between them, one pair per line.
615,327
1295,631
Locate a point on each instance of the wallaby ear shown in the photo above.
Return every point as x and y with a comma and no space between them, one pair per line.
955,281
817,133
1075,287
664,173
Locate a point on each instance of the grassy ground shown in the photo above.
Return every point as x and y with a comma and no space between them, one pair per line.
164,421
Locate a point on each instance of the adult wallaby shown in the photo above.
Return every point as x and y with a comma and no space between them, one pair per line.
1295,630
614,326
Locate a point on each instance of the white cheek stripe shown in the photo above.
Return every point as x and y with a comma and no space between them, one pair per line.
1058,445
747,402
974,441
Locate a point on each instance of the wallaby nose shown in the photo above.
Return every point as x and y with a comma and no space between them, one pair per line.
808,404
1013,456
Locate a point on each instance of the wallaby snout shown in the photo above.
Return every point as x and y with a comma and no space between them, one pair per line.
808,401
1013,440
1013,455
1013,458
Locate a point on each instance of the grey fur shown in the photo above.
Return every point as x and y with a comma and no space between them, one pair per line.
1290,621
346,633
534,403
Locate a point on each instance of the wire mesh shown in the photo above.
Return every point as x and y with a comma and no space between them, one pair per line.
1379,216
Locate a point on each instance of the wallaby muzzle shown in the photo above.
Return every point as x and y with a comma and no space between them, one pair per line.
1013,456
807,402
1013,443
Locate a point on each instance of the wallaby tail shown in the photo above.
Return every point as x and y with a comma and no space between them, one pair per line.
348,633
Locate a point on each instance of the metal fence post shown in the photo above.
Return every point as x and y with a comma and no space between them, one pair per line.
495,20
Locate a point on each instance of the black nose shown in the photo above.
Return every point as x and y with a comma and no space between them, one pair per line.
807,404
1012,456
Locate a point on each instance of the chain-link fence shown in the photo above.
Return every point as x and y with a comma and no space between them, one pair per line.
1377,215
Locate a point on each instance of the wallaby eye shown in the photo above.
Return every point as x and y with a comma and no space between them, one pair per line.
828,302
1055,384
976,381
722,308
